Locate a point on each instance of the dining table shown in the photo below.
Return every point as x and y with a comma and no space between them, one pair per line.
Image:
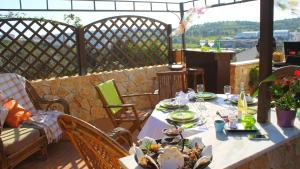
158,119
229,149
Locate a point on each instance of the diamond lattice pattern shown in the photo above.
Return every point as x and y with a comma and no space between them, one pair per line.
125,42
37,48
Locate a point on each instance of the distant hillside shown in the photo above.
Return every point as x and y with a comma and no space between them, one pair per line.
290,24
226,28
231,28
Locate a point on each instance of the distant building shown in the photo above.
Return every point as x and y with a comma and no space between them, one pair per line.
281,35
247,35
295,36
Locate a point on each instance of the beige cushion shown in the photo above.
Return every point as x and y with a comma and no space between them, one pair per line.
15,139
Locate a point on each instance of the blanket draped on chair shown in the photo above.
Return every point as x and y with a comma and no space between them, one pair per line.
13,86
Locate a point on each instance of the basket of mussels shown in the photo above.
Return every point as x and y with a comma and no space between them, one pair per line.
171,153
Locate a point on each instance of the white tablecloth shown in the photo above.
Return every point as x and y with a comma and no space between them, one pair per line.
230,150
157,121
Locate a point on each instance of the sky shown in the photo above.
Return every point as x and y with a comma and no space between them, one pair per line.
248,11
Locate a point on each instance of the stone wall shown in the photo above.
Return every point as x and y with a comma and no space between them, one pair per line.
80,91
239,72
82,96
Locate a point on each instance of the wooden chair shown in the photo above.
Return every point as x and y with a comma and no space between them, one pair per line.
194,75
170,82
96,148
117,110
16,144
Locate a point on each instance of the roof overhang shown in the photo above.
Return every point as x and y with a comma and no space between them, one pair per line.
114,5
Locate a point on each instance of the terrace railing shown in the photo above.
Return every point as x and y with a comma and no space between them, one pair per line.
38,48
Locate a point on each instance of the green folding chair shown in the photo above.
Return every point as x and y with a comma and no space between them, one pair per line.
117,110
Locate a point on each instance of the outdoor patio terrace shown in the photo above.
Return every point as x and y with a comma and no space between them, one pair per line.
65,61
64,155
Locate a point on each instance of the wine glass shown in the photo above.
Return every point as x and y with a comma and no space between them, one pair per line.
227,91
202,108
202,43
200,88
211,43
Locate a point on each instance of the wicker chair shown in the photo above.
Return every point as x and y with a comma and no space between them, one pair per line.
16,144
170,82
96,148
117,110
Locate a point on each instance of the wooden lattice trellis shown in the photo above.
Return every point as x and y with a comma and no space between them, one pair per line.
37,48
125,42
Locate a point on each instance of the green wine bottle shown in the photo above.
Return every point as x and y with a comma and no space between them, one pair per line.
242,102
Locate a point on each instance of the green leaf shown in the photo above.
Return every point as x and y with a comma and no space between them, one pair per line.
298,113
255,94
270,78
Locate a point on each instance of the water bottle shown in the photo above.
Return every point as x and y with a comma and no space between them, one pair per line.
218,46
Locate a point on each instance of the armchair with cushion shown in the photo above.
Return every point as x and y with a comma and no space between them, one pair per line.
117,110
96,148
16,144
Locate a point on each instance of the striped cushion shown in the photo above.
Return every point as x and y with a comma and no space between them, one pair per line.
13,86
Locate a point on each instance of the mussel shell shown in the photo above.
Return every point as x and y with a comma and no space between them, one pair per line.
171,158
138,152
170,140
172,132
198,141
203,162
207,151
151,164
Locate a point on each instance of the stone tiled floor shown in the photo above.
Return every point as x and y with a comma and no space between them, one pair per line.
61,155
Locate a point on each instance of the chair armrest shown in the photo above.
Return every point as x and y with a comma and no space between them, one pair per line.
61,101
121,133
120,105
143,94
139,94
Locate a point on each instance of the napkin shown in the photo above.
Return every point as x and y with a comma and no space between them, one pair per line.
236,97
183,98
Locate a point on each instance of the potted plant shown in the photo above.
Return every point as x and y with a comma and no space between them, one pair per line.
285,97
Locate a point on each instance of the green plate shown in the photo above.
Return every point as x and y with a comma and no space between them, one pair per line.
182,115
253,102
167,104
206,95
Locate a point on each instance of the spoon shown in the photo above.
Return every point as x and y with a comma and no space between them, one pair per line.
218,113
225,118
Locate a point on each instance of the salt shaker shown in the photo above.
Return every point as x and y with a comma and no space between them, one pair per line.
232,118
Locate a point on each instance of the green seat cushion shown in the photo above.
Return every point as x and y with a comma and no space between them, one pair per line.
15,139
110,94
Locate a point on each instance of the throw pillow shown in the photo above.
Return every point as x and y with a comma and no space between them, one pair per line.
16,113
